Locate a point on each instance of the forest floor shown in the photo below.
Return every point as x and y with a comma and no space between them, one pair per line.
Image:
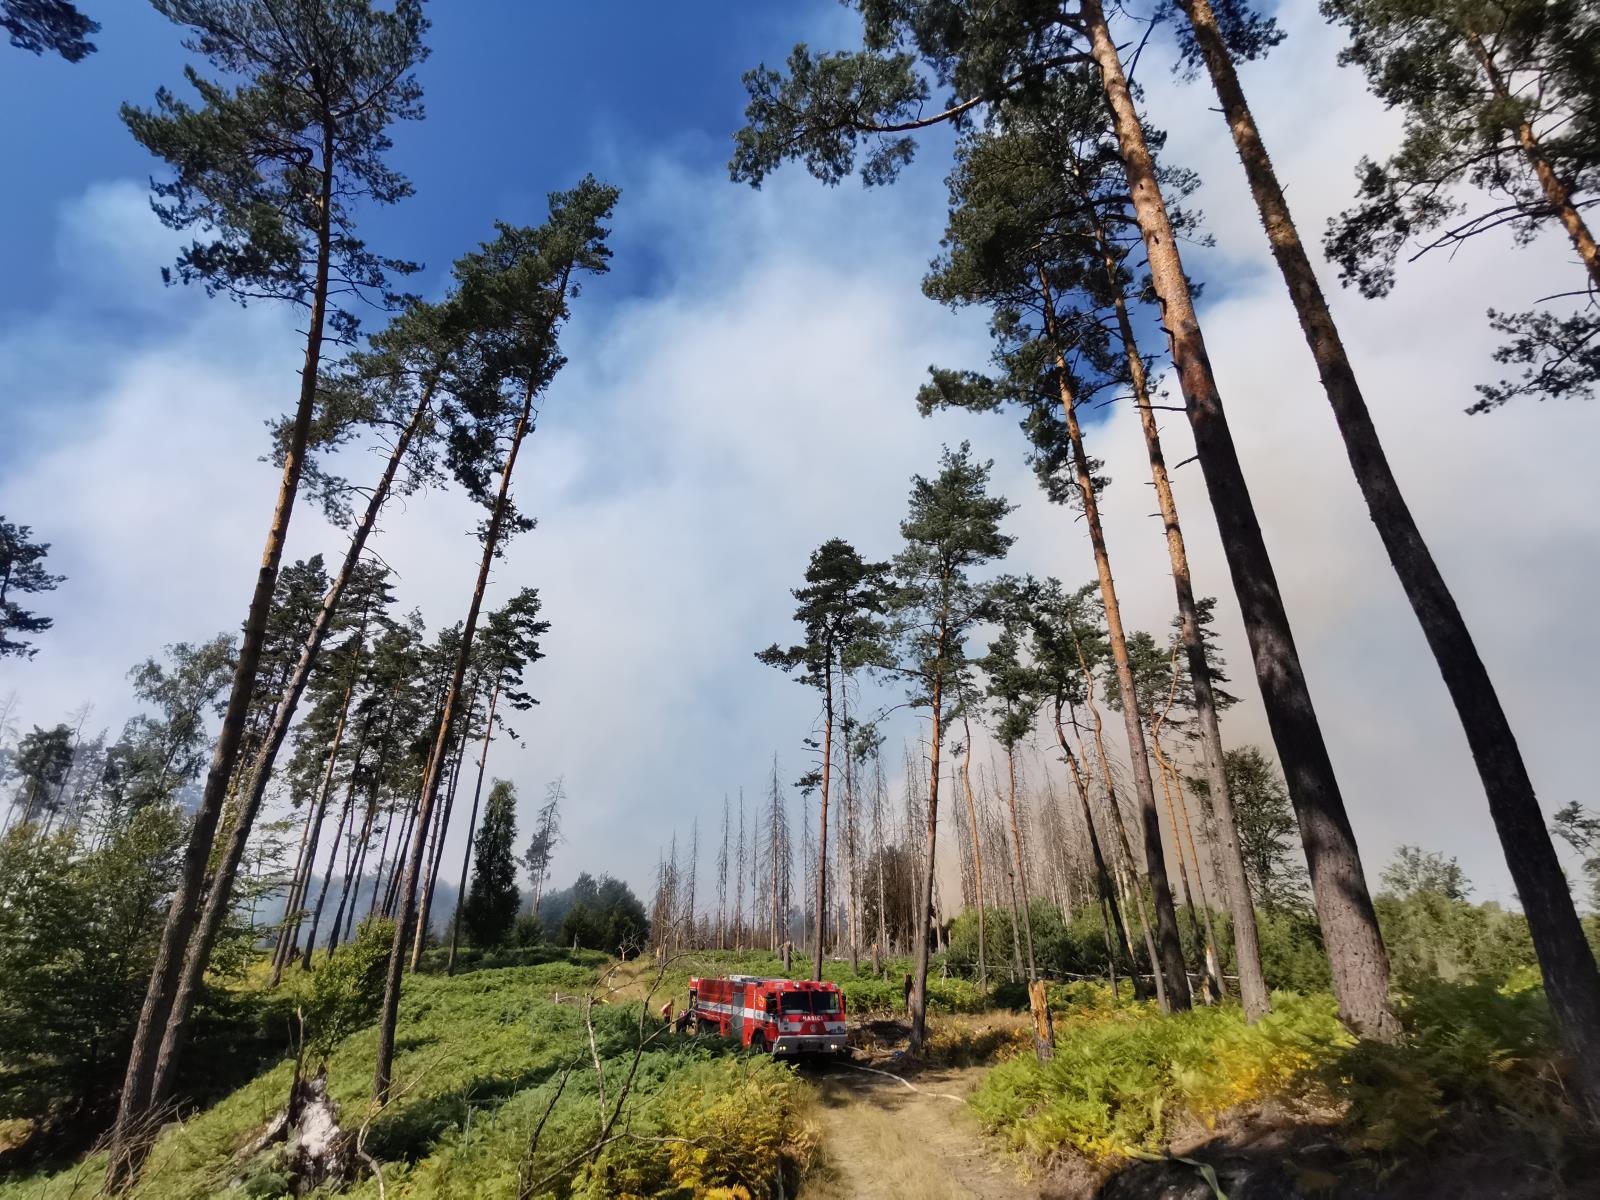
900,1137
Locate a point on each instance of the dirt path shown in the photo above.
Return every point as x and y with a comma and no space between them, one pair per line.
883,1141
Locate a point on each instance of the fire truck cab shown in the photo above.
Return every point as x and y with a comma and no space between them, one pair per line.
781,1016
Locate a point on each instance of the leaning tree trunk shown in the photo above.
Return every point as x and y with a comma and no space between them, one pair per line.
472,825
922,915
353,864
292,900
199,953
1246,937
129,1142
390,1012
1169,945
319,810
1556,193
1571,977
977,851
1356,954
408,826
333,858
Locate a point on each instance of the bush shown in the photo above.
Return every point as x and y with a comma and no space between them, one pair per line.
1122,1074
1472,1050
78,935
347,990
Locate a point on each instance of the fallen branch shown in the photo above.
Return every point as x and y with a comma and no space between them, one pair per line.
902,1080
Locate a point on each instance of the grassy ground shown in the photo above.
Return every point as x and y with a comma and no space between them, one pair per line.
480,1059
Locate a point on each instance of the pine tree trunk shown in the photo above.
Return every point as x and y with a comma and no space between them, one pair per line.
1016,847
1212,945
430,787
1170,947
383,863
408,825
1359,962
126,1152
1246,937
198,956
977,852
1245,132
1571,977
822,819
1110,911
472,826
922,916
853,904
352,870
292,901
1125,863
437,856
333,857
319,809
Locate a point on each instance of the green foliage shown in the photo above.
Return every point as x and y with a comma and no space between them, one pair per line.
1269,837
21,568
490,909
1414,870
953,527
1487,92
163,750
1479,1059
1580,829
596,914
347,990
78,936
42,760
480,1058
1434,937
840,604
40,25
268,169
1121,1076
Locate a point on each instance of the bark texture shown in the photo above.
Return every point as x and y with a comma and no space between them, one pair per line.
1356,954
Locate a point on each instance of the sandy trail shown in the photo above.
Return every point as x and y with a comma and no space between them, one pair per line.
882,1141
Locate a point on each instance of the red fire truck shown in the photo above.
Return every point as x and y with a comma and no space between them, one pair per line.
781,1016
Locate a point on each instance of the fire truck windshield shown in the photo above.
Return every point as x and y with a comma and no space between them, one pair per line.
810,1002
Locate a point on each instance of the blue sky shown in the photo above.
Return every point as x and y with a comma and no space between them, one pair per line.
522,98
738,391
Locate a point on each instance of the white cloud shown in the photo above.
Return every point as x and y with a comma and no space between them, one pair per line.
757,400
